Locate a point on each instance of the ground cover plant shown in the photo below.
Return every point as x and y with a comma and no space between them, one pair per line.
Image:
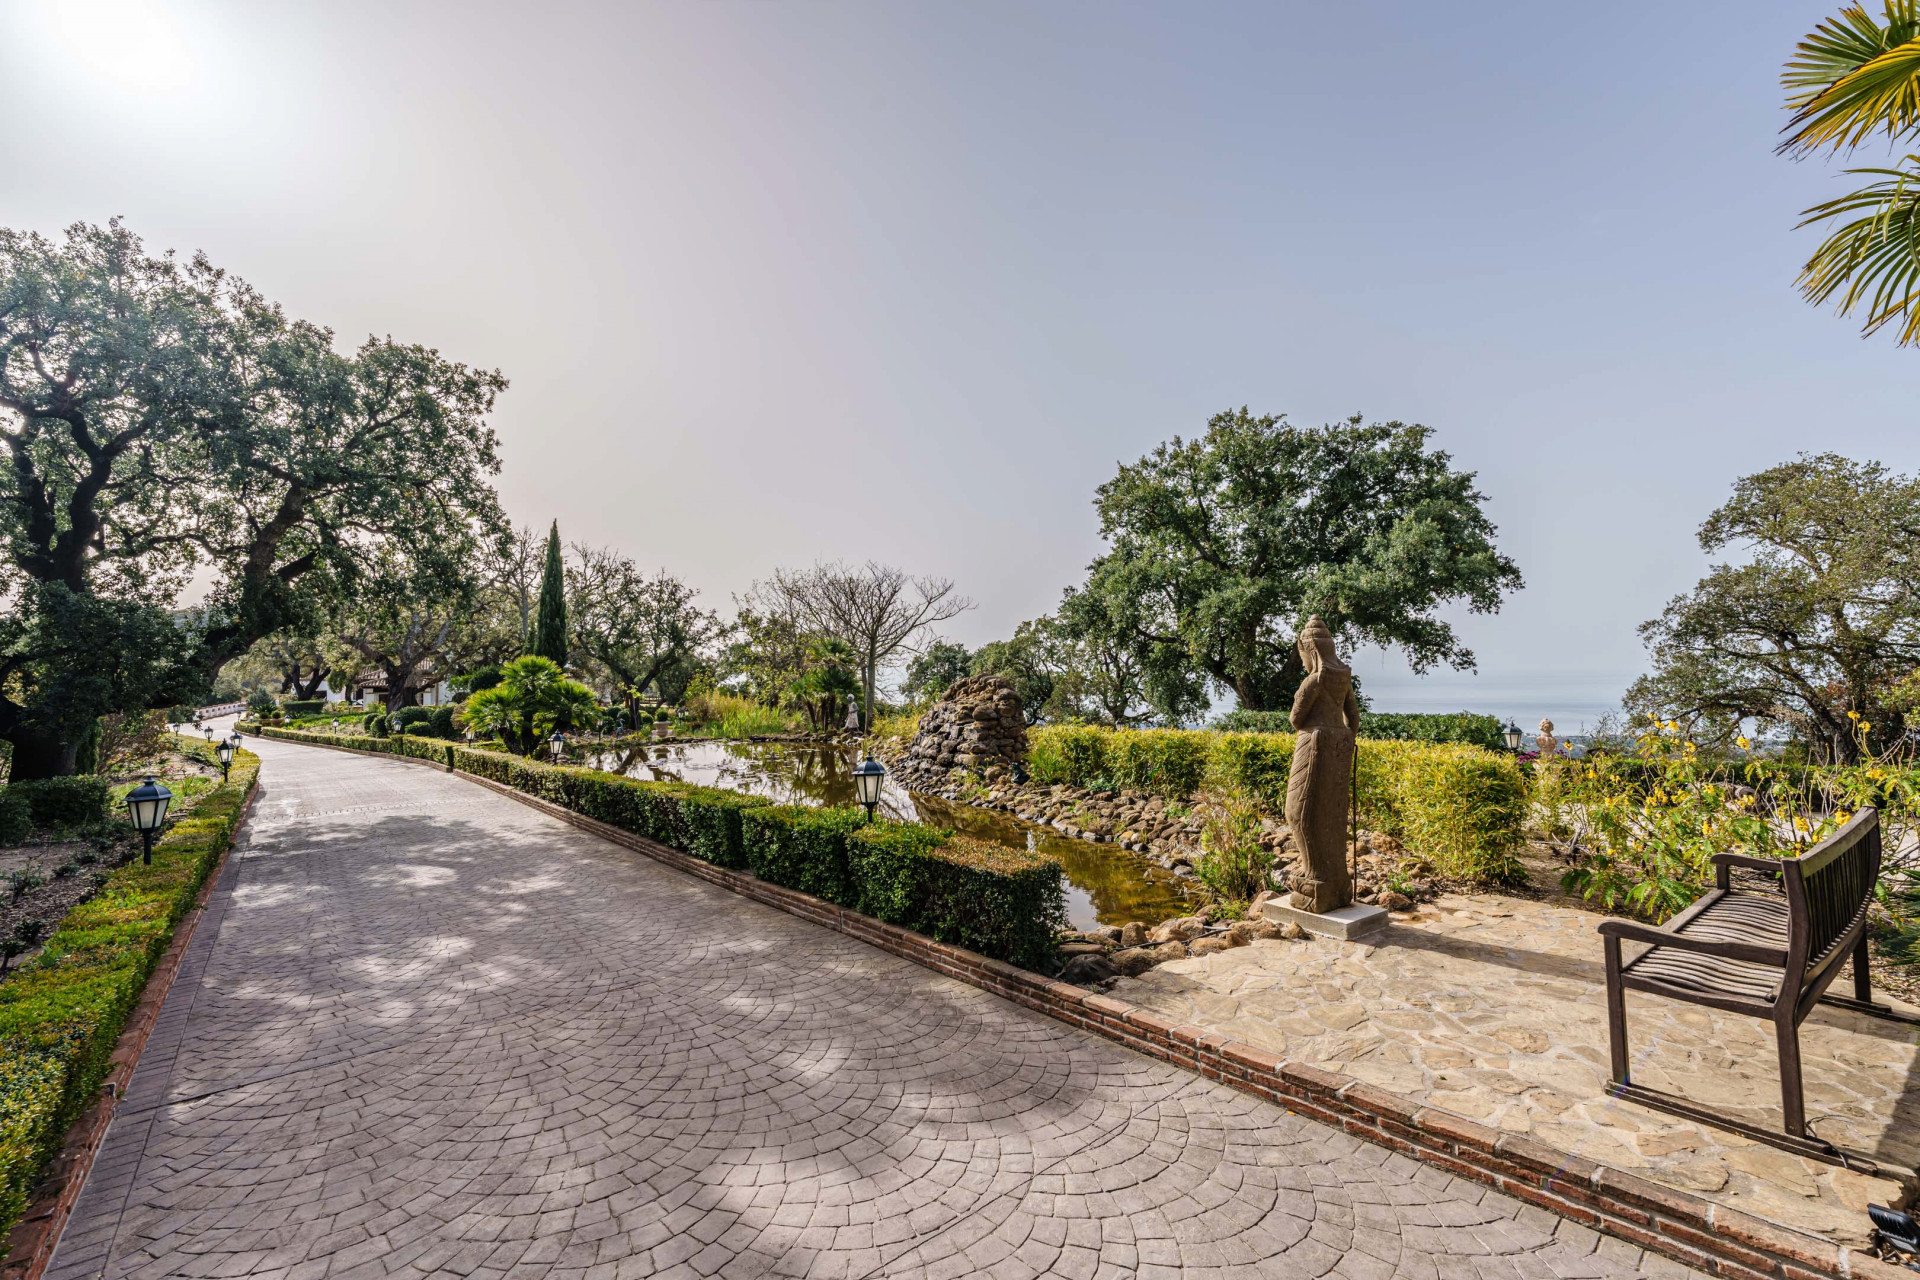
62,1013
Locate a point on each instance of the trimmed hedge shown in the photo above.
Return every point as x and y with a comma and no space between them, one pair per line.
803,848
1005,903
16,817
1001,902
303,706
1405,726
1459,806
61,1015
79,801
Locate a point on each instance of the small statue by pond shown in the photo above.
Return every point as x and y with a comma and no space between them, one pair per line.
1326,718
853,716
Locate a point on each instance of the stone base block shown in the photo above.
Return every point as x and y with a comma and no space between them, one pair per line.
1349,924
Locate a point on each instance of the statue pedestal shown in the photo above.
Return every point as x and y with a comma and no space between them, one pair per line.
1349,924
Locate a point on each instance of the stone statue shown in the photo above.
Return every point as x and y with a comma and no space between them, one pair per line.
853,716
1546,744
1326,718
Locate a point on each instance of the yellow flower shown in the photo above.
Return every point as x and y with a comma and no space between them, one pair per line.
1799,824
1865,727
1742,741
1853,715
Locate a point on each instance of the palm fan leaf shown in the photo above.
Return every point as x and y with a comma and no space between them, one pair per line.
1854,76
1871,260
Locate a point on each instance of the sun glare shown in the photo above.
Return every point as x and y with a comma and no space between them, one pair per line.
137,47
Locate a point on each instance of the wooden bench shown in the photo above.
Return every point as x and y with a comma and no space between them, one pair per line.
1768,955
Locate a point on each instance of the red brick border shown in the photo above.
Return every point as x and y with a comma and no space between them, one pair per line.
1709,1237
30,1245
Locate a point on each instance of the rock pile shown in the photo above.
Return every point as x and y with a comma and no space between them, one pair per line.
977,724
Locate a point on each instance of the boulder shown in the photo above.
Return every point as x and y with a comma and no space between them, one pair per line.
1133,933
1180,929
1208,946
1134,963
1394,901
1169,951
1266,929
1088,969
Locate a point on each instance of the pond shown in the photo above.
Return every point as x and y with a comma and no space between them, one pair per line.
1105,883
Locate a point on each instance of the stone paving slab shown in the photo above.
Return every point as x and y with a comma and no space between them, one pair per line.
436,1033
1495,1008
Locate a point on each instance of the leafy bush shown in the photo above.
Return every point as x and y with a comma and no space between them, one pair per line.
1001,902
62,1014
1075,754
260,702
802,848
440,723
1244,721
379,725
1162,762
16,817
303,706
65,802
405,718
1457,726
1232,863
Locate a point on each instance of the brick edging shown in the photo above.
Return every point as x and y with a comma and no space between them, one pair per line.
1687,1228
31,1243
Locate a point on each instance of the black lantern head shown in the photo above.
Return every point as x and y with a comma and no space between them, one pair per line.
868,776
147,805
225,751
1513,736
559,744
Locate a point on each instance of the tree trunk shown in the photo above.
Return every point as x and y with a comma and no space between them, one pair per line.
312,687
37,755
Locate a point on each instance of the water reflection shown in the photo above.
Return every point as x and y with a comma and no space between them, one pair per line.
1105,884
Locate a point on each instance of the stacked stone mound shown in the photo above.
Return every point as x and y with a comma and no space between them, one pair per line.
977,724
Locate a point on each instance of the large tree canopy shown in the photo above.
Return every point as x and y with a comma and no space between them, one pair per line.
160,417
629,628
1222,546
1819,619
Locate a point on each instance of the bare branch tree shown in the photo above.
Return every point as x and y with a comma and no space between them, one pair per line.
881,611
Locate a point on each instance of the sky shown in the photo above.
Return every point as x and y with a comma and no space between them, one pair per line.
906,281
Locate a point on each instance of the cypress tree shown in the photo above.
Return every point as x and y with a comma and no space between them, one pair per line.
550,620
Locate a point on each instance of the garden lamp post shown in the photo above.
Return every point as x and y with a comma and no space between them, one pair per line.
868,775
225,752
147,805
558,742
209,735
1513,736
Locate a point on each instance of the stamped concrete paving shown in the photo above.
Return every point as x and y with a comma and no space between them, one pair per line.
425,1030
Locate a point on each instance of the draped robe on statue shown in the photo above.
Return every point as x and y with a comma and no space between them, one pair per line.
1326,720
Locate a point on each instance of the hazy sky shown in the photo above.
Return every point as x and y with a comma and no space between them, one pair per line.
779,281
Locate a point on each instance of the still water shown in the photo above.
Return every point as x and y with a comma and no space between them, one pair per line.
1105,883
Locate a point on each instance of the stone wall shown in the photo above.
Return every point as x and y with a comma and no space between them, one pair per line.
977,724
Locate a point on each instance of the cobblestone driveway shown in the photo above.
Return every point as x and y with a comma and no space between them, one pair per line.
425,1030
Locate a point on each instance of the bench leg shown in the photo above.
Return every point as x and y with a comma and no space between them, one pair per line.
1862,983
1793,1103
1616,1012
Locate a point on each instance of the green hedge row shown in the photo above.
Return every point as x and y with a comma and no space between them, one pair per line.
62,1014
79,801
1006,903
1450,726
1461,807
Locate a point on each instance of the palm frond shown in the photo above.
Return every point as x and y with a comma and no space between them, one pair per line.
1854,76
1872,260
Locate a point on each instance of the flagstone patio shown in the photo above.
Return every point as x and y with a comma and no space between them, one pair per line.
1494,1007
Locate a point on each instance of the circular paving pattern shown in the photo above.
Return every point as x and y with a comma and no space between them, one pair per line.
427,1031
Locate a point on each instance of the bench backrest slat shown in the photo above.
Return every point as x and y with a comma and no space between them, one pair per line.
1836,879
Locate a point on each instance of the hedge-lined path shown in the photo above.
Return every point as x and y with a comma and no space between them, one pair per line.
426,1030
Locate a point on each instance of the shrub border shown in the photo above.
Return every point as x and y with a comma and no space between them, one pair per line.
30,1244
1699,1233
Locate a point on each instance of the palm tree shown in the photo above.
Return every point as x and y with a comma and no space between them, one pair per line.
1856,77
534,698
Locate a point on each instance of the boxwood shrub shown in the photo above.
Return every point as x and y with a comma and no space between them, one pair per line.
62,1013
1001,902
16,817
79,801
303,706
803,848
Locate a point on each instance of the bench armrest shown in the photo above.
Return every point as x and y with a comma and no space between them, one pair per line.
1752,953
1724,862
